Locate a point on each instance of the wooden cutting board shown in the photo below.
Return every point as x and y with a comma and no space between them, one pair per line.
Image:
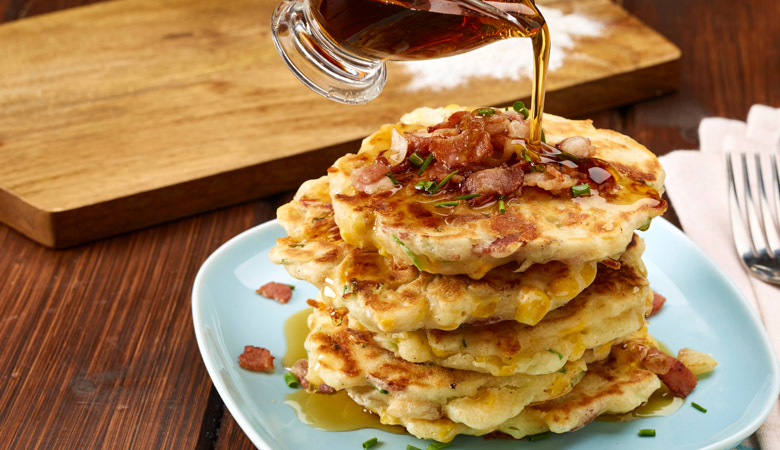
125,114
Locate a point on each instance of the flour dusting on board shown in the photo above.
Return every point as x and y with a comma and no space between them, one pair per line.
510,59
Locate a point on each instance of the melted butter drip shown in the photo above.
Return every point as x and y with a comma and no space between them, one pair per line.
336,412
661,403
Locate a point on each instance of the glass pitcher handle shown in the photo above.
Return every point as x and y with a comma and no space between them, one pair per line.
317,61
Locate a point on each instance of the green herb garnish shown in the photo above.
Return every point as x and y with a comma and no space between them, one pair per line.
487,112
425,164
381,391
438,445
539,437
520,107
292,287
699,407
425,185
577,379
467,197
443,182
446,204
646,225
296,245
562,370
370,443
543,139
647,432
416,159
580,190
464,342
560,356
501,205
291,380
540,168
525,155
411,447
408,252
392,178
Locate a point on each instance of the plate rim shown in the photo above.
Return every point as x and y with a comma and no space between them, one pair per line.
257,440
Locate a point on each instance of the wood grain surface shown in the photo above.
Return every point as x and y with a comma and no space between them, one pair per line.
151,110
98,348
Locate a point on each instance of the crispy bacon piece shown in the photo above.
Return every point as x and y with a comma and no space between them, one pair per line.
300,369
678,378
658,302
495,181
372,179
256,358
280,292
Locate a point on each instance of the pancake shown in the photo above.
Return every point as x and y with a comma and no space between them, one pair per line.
538,226
612,307
615,385
392,296
344,358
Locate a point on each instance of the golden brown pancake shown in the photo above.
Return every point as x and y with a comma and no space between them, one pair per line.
537,227
391,296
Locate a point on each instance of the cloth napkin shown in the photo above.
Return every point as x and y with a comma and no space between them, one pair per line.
696,184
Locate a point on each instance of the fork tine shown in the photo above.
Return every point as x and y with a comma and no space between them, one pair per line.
770,230
754,223
741,238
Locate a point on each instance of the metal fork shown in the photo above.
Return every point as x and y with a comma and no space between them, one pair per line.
758,241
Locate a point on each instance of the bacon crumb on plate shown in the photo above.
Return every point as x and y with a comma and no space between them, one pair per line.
280,292
658,302
256,358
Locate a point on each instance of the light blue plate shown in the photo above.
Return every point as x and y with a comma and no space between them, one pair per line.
703,311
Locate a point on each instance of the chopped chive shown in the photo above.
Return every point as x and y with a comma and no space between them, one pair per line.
646,225
486,112
411,447
425,164
525,155
445,204
580,190
443,182
370,443
562,370
392,178
464,342
425,185
408,252
501,205
381,391
291,380
560,356
316,219
699,407
296,245
438,445
538,168
467,197
539,437
347,289
292,287
520,107
647,432
543,139
416,159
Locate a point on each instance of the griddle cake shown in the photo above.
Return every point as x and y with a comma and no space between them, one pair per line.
612,307
388,295
536,227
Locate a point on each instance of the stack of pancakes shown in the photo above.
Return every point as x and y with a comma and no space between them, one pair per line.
472,321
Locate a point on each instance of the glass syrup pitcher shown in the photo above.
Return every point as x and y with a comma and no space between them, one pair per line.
338,48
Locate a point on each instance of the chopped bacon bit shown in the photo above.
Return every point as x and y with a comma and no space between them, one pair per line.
658,302
300,369
678,378
372,179
256,358
495,181
280,292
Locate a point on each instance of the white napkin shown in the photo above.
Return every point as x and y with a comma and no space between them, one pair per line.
696,185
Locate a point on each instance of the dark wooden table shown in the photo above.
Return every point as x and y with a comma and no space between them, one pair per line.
98,349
